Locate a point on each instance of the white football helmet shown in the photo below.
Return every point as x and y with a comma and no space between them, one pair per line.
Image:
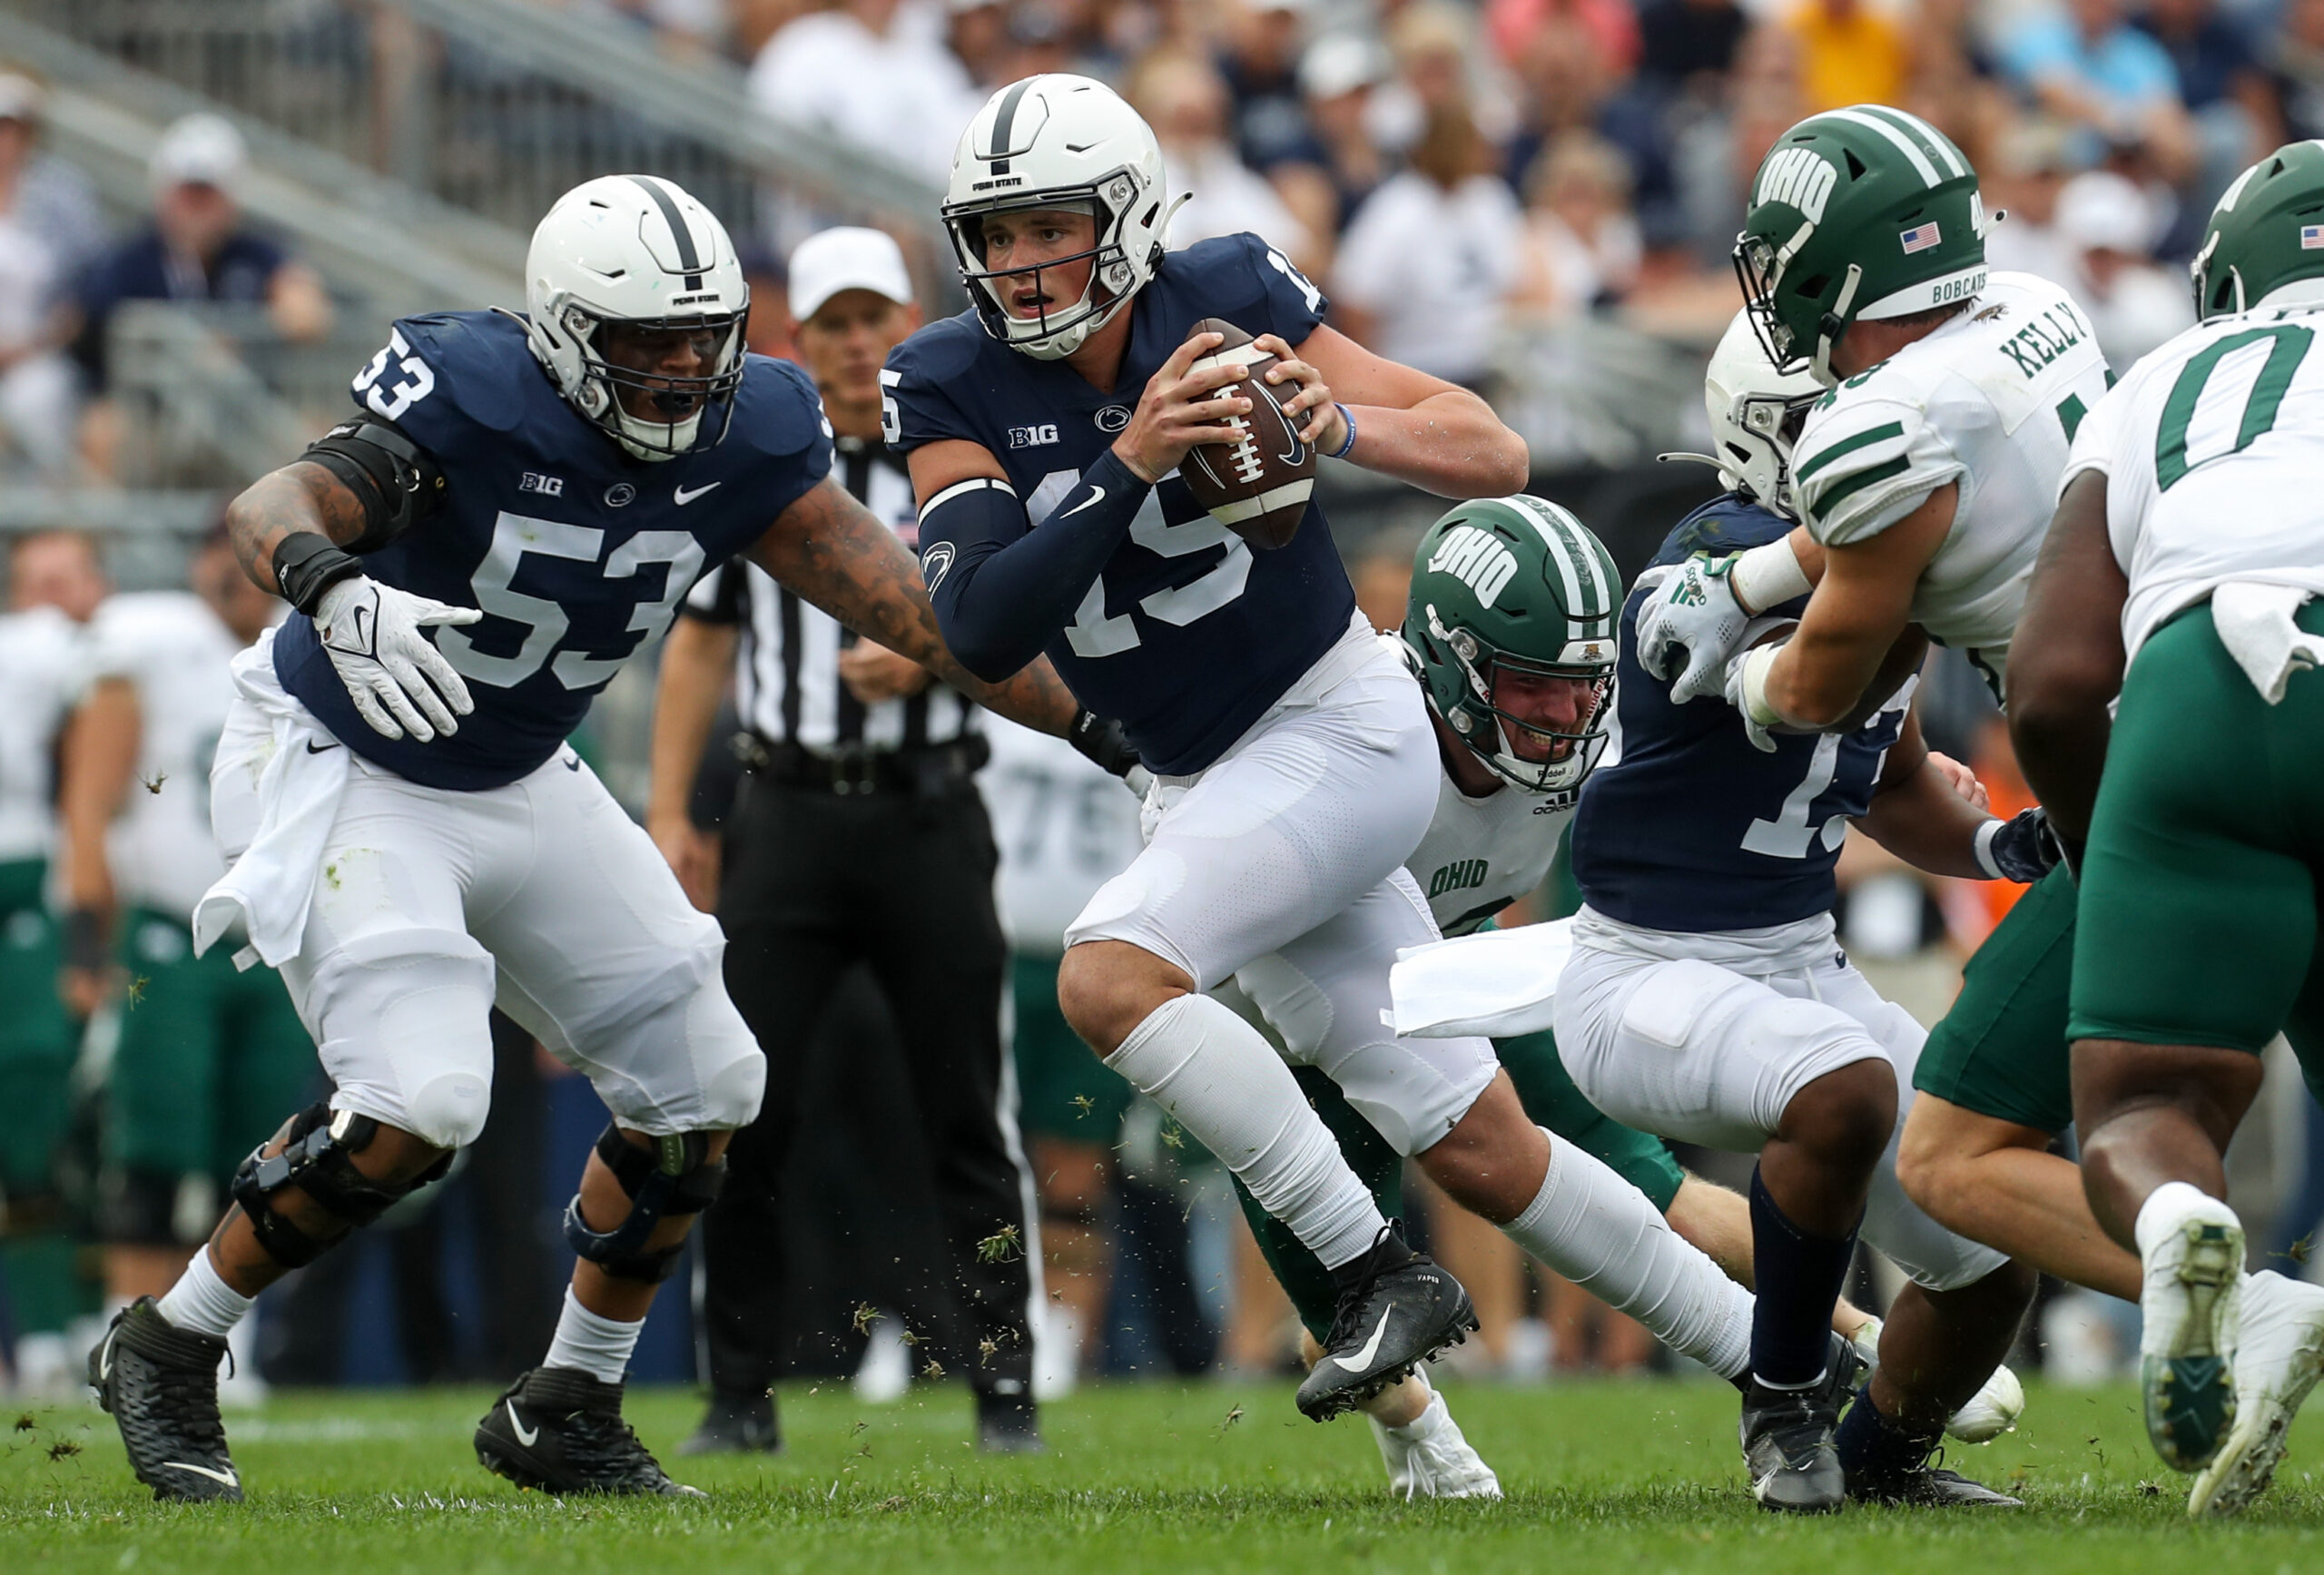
636,250
1059,140
1755,412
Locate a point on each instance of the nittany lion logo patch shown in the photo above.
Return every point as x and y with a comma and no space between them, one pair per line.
1477,559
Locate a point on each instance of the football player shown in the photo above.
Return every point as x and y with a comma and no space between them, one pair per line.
2197,942
1924,477
54,585
517,508
1706,1000
1296,769
210,1057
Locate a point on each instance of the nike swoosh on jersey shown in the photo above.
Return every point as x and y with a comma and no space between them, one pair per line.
683,496
227,1476
1096,496
1363,1359
525,1435
314,748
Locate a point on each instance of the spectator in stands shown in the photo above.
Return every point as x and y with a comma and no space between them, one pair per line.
2109,228
1426,271
2228,96
1042,38
2090,68
2294,61
874,72
1582,243
1184,99
1850,52
1433,44
1683,42
1342,163
1260,66
48,225
196,250
2022,183
976,33
1515,25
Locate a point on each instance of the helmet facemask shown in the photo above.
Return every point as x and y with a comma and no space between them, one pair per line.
597,392
1052,335
1493,731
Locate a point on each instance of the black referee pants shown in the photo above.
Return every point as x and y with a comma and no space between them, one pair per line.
814,883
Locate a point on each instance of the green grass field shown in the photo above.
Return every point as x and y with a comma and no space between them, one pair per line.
1213,1477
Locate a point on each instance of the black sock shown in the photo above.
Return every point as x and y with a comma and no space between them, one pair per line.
1388,1253
1871,1445
1798,1278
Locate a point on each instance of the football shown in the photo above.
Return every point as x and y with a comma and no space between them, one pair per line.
1258,486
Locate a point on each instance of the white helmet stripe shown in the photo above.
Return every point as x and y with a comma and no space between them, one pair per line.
1575,565
1904,146
689,261
1922,132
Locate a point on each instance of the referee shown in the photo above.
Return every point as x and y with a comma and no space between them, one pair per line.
857,835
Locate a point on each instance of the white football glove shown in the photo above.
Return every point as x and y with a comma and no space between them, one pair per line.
1746,680
1694,607
399,681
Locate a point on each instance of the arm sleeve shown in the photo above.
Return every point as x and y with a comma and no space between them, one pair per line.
1866,466
1002,589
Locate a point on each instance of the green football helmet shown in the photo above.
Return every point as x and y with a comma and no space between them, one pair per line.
1861,213
2266,232
1519,585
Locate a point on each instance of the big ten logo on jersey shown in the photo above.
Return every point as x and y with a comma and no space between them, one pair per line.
547,485
1032,437
390,396
1461,875
1476,559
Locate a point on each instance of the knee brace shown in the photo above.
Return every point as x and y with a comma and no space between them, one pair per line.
674,1176
319,1159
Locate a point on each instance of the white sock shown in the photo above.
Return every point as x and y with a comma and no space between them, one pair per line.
1602,1234
1427,1424
1219,1076
203,1303
2170,1206
599,1347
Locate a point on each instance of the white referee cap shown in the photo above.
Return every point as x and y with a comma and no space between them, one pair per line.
848,257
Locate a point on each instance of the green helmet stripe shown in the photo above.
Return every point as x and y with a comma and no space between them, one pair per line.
1934,140
1905,145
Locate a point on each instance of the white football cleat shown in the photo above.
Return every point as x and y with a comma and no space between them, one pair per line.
1992,1410
1427,1458
2278,1355
2193,1282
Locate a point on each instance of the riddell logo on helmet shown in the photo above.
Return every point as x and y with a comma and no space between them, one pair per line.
1800,178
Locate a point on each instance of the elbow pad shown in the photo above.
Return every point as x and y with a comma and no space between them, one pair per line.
397,483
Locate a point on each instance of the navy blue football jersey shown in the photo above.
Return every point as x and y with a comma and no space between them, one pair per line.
1693,829
577,552
1187,636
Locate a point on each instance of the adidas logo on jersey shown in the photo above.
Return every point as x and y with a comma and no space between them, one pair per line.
1474,559
1799,177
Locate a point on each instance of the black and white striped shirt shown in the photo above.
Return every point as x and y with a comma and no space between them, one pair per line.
787,686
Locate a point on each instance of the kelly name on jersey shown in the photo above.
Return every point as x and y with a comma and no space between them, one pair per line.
1187,636
1694,828
577,553
1990,402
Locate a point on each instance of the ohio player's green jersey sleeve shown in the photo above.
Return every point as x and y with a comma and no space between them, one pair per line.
1864,464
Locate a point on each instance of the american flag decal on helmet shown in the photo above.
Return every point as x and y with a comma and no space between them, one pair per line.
2311,238
1919,238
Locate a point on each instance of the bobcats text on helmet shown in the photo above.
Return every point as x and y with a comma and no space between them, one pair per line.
1059,142
638,251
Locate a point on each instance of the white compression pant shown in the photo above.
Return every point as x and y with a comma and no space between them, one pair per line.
543,897
1281,867
1707,1038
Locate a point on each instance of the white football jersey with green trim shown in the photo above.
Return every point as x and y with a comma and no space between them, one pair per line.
39,653
2212,449
1990,401
1480,855
175,653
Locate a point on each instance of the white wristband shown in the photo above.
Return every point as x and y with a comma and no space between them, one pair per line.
1756,663
1769,576
1983,849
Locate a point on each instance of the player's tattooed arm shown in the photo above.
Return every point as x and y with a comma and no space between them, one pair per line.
832,550
2065,665
302,495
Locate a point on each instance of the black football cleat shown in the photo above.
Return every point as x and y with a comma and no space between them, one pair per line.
1009,1425
1787,1449
1927,1487
1399,1311
736,1424
161,1384
560,1430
